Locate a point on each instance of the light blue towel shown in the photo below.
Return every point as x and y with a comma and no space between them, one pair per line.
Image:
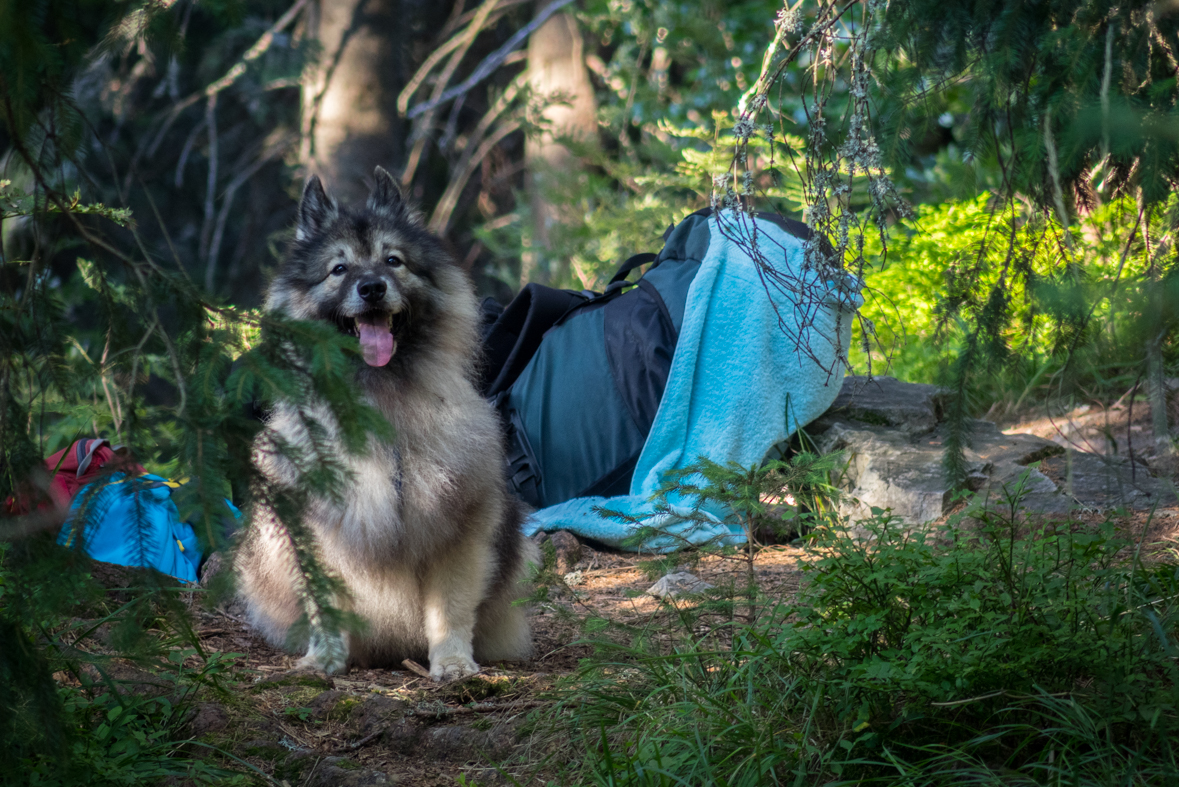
749,369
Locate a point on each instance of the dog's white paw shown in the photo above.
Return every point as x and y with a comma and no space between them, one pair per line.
449,668
325,654
326,666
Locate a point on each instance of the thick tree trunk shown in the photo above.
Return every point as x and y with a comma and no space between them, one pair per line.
556,65
350,106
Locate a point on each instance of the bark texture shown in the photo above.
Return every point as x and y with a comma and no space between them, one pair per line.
556,67
350,106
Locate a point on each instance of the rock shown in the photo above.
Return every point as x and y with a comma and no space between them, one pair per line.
677,583
375,712
404,736
915,408
459,741
1102,482
885,469
894,445
324,704
113,577
210,569
568,549
1006,459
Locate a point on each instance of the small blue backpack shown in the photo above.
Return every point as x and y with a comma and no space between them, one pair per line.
135,522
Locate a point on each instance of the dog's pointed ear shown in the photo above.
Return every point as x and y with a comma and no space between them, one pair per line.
387,197
315,209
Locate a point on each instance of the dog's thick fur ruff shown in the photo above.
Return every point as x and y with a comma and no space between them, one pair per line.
427,541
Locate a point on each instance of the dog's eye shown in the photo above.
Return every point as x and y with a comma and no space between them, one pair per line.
394,260
339,270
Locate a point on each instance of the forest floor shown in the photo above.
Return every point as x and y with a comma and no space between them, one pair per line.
373,727
383,726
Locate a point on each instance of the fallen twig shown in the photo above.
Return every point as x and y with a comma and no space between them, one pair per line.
365,740
415,668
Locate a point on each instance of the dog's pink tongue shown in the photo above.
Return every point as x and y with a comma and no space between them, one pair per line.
376,342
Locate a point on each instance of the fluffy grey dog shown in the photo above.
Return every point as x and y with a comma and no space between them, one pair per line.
427,539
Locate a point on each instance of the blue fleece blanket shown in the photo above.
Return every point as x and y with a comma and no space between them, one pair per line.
749,369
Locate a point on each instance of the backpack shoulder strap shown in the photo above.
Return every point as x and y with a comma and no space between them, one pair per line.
631,264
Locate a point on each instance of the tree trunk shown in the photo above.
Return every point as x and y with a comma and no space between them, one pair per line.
556,65
350,120
1156,390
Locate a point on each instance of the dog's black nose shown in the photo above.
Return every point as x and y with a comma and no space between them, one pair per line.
371,290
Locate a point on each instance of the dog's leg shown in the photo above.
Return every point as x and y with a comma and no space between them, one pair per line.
502,632
453,589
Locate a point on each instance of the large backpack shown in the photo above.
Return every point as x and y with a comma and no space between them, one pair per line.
577,377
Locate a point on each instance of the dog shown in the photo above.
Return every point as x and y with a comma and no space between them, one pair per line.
425,538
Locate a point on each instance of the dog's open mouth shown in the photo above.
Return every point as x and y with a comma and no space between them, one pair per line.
377,333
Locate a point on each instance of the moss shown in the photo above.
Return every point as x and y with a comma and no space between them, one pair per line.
342,709
236,700
479,687
348,765
310,681
301,697
291,770
1042,454
869,417
269,752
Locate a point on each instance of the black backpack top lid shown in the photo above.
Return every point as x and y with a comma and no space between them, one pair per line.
512,335
510,341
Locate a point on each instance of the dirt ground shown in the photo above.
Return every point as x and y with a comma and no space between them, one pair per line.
373,727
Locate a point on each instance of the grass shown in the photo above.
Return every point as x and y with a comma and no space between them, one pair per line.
998,649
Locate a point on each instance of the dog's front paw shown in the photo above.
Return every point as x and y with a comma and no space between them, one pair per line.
317,664
325,654
452,668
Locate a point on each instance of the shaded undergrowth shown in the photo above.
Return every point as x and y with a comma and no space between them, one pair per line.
98,686
996,649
